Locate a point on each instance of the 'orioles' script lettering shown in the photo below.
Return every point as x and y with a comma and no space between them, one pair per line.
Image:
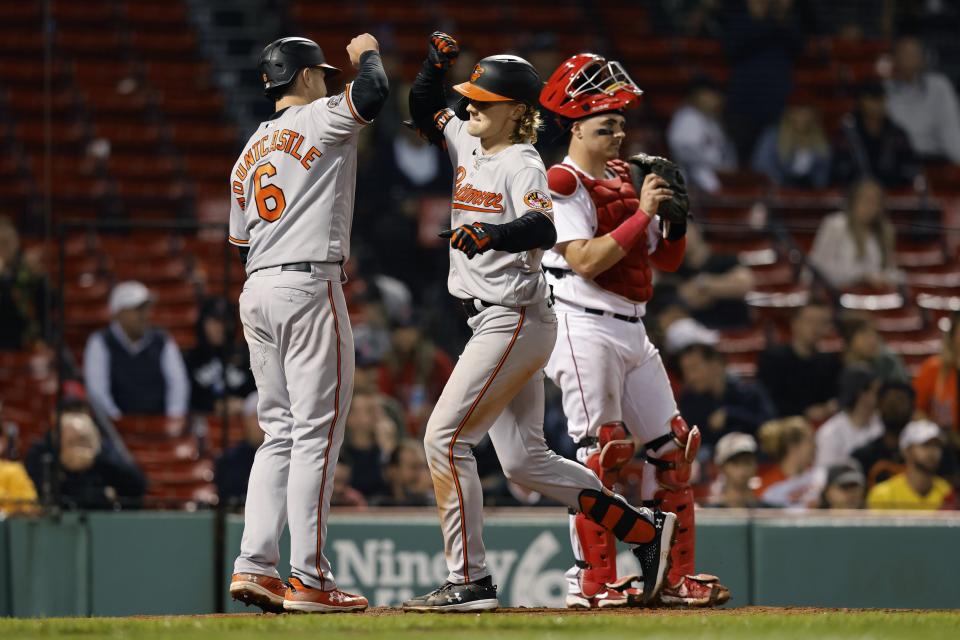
285,141
466,197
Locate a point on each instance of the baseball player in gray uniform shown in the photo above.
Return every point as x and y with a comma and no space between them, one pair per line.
291,213
501,223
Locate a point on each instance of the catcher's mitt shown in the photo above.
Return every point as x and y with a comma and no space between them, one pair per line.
675,210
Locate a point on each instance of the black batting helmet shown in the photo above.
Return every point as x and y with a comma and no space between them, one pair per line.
502,78
281,61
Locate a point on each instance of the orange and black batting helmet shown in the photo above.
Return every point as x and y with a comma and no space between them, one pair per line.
501,78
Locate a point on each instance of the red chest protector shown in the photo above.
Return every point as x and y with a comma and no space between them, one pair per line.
616,200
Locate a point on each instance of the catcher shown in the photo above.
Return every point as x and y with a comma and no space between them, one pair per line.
613,381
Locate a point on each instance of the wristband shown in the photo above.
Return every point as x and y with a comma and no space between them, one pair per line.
631,230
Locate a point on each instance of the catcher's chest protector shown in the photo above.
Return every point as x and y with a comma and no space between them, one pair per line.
616,200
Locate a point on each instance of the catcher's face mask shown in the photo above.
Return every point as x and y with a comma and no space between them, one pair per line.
588,84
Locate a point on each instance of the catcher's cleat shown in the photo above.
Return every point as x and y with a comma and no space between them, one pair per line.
265,592
300,597
606,599
472,596
654,556
631,587
701,590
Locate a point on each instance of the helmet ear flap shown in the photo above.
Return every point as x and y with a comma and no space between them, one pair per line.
460,109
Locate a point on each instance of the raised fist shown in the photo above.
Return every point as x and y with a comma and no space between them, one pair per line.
443,50
360,44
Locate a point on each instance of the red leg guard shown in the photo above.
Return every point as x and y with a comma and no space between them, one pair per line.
598,544
673,469
599,556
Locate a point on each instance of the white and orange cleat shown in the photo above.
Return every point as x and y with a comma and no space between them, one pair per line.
265,592
300,597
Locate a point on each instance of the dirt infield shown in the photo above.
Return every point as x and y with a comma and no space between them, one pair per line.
380,612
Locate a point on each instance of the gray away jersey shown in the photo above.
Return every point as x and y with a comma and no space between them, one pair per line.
495,189
292,189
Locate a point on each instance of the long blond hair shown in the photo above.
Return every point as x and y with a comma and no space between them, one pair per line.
777,436
528,127
790,138
881,228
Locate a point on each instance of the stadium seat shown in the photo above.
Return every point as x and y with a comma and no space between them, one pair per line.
152,426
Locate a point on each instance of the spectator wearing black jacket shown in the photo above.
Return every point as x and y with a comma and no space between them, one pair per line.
801,380
219,365
869,145
90,472
719,403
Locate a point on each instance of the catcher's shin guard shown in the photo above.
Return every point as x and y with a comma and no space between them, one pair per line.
599,563
616,515
599,556
672,456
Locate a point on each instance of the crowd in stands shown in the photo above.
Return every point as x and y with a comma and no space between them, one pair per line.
827,416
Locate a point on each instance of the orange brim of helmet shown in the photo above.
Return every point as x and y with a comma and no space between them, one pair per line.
474,92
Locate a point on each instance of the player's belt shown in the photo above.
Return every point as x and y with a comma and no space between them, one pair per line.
618,316
473,306
297,266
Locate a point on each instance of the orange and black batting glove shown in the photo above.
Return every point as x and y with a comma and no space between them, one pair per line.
472,238
443,50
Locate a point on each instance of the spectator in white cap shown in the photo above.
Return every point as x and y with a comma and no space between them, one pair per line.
736,457
131,367
919,486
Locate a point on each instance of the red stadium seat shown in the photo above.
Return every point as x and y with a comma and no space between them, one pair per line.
165,44
150,426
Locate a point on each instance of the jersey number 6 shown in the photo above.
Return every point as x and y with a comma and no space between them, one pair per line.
262,193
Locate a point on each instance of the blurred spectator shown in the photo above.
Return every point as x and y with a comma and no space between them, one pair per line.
17,493
762,41
918,487
880,458
343,494
845,487
673,325
923,102
795,153
870,146
132,367
936,381
855,246
802,380
857,423
713,286
736,458
90,472
369,442
697,140
218,360
408,478
232,468
719,403
22,293
414,372
793,481
862,345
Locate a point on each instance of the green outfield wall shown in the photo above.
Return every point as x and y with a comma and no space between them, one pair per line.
114,564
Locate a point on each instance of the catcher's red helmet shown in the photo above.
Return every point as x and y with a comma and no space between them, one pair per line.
587,84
